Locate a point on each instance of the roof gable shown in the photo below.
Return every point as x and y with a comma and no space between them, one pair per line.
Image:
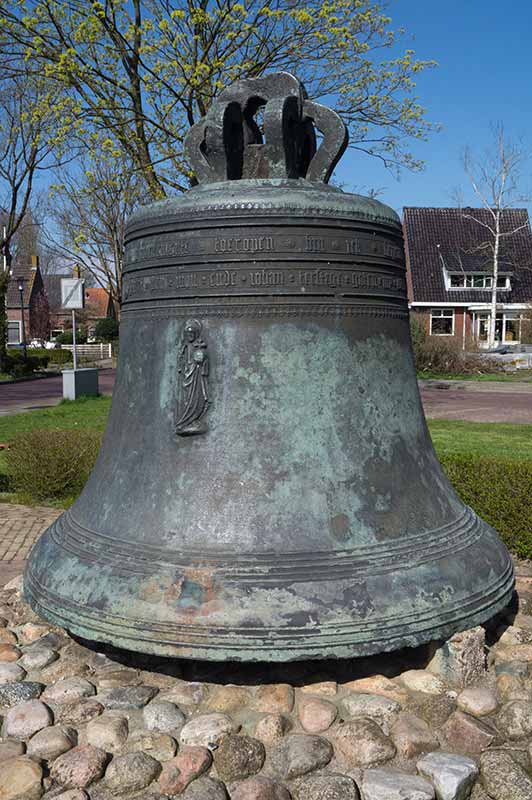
453,239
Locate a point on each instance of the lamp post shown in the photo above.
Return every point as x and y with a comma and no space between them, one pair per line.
20,282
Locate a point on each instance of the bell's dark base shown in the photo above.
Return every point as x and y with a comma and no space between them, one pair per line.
111,602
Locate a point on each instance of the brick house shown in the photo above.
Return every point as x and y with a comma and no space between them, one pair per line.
36,314
449,272
98,305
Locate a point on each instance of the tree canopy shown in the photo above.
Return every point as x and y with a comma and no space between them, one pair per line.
134,75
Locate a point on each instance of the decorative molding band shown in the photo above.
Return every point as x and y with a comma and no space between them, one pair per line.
347,635
360,562
260,310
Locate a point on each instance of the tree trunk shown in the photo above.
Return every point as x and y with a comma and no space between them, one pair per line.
3,323
493,317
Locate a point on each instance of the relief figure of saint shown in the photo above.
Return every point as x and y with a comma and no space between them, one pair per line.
193,372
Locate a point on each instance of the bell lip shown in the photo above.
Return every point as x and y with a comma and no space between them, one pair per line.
251,196
327,641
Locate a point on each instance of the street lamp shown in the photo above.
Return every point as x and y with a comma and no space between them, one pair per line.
21,282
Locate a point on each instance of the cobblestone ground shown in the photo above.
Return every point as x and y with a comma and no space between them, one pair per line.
20,526
448,721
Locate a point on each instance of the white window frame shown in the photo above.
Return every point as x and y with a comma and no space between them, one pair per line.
467,281
445,313
14,322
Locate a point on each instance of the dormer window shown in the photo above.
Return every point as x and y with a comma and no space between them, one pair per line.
459,280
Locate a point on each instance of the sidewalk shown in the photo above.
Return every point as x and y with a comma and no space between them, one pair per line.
477,386
20,526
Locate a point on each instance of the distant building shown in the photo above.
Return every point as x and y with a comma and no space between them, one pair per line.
34,303
450,266
98,305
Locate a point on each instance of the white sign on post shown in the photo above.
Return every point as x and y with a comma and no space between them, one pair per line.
72,293
73,297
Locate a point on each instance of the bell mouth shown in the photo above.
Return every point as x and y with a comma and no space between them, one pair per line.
268,610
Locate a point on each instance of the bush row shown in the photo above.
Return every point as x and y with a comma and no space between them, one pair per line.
499,491
45,464
444,354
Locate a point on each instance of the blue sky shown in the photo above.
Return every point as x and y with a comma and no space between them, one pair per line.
484,75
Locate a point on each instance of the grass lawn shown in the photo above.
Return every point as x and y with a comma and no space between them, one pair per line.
450,437
519,376
491,439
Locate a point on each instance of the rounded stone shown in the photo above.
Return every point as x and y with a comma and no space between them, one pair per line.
412,736
25,719
79,767
477,701
274,698
420,680
228,699
299,754
67,690
378,684
316,715
189,764
503,778
72,794
10,672
107,732
131,772
207,729
52,742
515,719
79,712
128,697
7,637
20,779
205,789
8,652
262,788
381,784
375,706
11,748
163,716
13,693
271,728
325,787
158,745
30,632
239,757
451,775
361,743
38,658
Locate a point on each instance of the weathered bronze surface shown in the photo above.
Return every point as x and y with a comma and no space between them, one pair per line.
267,488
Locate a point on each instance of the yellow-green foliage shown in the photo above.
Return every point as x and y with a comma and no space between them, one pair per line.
136,75
45,464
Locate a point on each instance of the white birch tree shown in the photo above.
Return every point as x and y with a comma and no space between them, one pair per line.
495,179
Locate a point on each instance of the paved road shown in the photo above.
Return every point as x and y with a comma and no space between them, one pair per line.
476,402
22,396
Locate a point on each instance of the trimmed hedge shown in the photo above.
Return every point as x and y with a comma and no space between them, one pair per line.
18,366
54,356
50,464
500,491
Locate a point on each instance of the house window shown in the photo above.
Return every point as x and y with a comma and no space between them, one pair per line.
461,281
442,322
13,333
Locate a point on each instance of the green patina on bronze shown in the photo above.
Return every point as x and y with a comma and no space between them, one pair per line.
267,489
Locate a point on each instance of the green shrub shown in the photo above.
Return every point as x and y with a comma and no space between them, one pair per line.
67,337
499,491
444,355
18,366
58,356
106,329
46,464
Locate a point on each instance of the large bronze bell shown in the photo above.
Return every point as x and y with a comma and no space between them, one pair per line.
267,487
